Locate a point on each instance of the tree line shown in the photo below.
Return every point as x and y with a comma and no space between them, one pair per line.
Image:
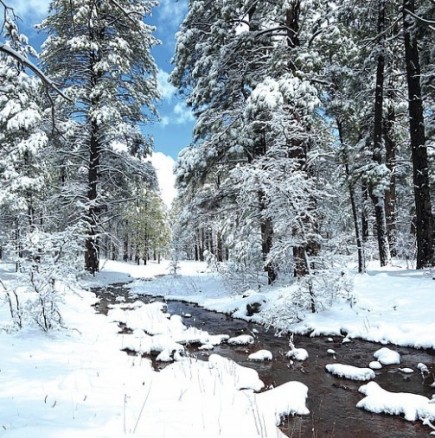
314,132
75,181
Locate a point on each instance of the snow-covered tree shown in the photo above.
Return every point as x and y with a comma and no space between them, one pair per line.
99,54
243,65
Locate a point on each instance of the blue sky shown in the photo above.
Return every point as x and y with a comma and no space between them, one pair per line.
174,131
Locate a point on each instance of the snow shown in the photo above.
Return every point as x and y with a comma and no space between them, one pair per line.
77,381
350,372
241,340
386,356
412,406
375,365
298,354
406,370
261,355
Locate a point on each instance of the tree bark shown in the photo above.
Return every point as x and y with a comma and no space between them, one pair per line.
266,246
91,250
423,206
390,195
378,197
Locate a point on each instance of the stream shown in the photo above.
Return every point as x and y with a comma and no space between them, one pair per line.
331,400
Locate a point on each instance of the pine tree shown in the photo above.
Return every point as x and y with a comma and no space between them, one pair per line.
23,164
99,54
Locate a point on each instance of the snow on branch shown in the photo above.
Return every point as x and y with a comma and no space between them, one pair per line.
23,60
127,14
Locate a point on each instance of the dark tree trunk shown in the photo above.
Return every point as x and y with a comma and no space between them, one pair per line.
300,262
266,246
91,244
219,248
358,236
378,197
364,220
201,244
423,207
91,252
390,195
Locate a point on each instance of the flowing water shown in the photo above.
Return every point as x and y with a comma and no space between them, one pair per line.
331,400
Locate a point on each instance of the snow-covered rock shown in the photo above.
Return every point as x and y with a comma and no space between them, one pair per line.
386,356
241,377
406,370
261,355
411,406
298,354
350,372
287,399
375,365
241,340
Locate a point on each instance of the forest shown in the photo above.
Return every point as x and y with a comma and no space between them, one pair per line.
313,136
314,132
307,188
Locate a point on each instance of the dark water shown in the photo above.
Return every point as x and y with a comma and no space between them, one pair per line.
331,400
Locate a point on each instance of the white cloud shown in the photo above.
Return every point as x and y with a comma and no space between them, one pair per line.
166,90
32,10
172,12
164,121
164,165
183,114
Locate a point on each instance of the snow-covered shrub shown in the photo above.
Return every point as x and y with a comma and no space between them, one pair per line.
240,277
211,260
174,264
318,291
315,292
47,263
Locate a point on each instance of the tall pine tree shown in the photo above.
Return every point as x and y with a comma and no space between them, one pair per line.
98,51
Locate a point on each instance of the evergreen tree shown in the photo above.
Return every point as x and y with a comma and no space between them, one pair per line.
99,54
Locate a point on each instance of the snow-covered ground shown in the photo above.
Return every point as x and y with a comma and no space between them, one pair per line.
76,381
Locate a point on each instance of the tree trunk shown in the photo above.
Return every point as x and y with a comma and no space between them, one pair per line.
423,207
91,249
390,195
219,247
364,220
378,197
266,246
358,236
300,262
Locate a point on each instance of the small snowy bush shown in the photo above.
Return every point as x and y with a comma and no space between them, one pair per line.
48,260
319,291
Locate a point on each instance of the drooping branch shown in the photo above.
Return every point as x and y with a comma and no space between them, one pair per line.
38,72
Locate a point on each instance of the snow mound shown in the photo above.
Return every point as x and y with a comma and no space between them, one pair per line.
412,406
297,354
261,355
350,372
241,377
386,356
287,399
196,398
241,340
406,370
375,365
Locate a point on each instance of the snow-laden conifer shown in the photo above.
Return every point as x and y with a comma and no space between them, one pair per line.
99,54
